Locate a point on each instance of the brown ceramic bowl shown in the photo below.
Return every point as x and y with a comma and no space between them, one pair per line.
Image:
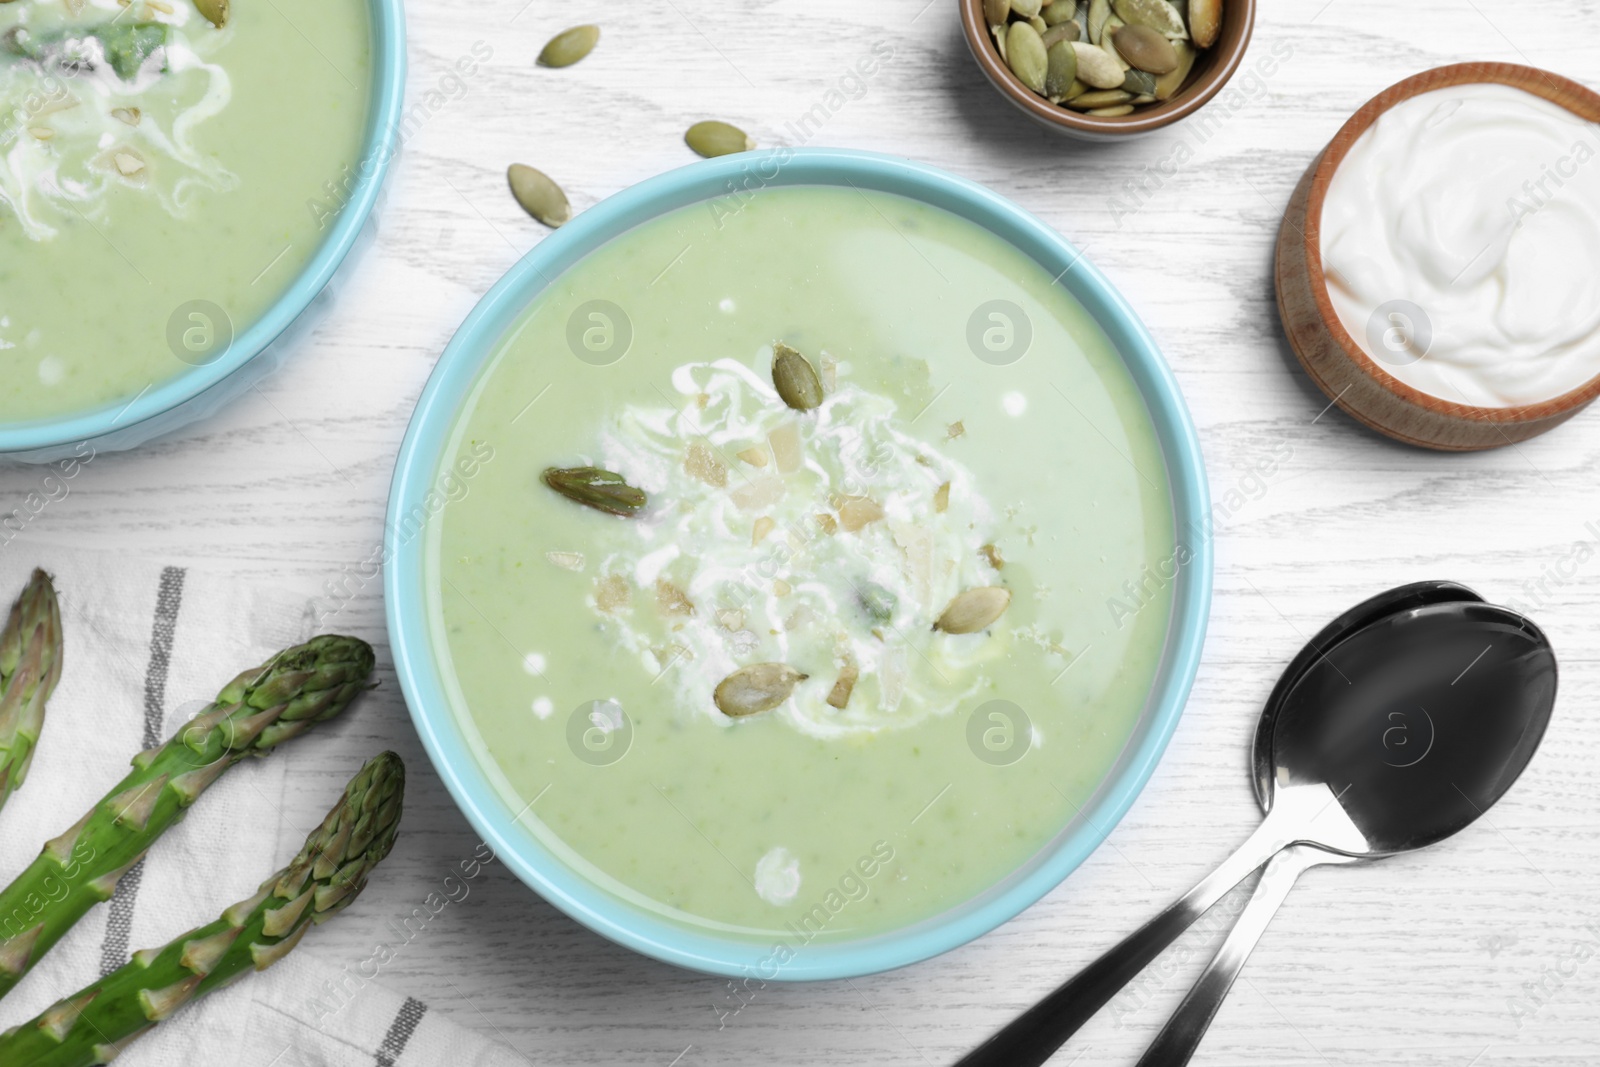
1212,69
1334,360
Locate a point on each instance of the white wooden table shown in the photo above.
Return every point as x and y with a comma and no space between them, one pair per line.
1433,959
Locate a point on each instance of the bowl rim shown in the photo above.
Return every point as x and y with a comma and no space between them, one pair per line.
1548,85
417,469
379,145
1155,117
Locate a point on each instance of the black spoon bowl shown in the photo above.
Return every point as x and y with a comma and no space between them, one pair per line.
1419,721
1386,604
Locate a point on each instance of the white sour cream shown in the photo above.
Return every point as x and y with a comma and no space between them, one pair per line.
788,592
1461,240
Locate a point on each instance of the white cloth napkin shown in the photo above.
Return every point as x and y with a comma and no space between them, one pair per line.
146,646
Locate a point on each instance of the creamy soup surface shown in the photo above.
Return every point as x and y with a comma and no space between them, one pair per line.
162,182
976,431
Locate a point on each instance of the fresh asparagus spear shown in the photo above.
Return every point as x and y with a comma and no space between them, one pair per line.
259,709
30,666
93,1025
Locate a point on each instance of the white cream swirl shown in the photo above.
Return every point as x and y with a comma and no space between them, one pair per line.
770,581
71,132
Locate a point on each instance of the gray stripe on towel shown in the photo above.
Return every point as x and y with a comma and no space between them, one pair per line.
405,1024
169,598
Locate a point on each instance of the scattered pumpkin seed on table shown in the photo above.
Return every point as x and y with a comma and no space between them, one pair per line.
569,46
712,138
538,194
1103,57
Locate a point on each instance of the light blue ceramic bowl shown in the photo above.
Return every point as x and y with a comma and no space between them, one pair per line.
412,498
198,393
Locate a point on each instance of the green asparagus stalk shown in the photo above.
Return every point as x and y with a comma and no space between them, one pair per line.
30,666
258,710
96,1023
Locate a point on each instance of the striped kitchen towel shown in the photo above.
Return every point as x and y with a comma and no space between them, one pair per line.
145,646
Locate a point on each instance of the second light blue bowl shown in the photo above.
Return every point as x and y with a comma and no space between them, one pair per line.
413,498
199,392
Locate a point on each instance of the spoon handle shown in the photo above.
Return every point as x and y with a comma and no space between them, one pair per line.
1033,1037
1177,1041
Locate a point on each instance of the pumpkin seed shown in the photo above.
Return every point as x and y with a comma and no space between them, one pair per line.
1146,49
1156,14
538,194
1102,57
597,488
1059,12
1062,33
1026,55
1139,83
1205,21
569,46
1168,84
1063,69
1110,48
712,138
756,688
1097,69
1100,98
974,609
215,11
1099,11
795,378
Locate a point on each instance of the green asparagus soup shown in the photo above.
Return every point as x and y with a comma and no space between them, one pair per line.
163,180
779,563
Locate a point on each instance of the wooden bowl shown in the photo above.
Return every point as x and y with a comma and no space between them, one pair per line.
1212,69
1334,360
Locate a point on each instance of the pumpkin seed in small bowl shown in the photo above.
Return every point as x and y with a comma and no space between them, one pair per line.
1100,69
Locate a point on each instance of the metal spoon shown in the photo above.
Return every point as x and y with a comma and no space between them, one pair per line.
1301,802
1403,789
